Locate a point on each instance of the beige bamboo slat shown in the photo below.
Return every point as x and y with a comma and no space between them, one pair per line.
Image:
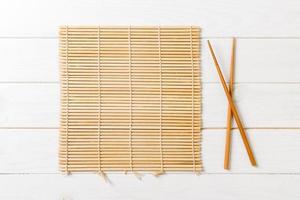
130,99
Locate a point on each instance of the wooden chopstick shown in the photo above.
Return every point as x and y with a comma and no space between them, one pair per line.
229,113
233,108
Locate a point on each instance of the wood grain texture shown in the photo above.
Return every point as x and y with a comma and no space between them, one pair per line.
130,99
35,151
211,186
268,41
260,105
255,58
229,113
233,108
257,18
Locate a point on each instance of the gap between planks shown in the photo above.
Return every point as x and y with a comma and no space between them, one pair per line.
204,82
206,37
204,128
149,173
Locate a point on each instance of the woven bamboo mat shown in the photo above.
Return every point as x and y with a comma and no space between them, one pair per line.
130,99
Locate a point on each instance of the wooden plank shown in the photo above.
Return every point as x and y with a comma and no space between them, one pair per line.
173,186
217,18
257,60
29,105
35,151
260,105
29,150
276,151
270,44
29,60
37,60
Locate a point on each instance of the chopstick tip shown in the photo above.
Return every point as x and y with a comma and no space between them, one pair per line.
234,40
253,163
209,45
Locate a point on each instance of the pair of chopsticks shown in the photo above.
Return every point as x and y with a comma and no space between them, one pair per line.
232,111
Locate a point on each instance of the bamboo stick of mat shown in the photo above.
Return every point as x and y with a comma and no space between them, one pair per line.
229,113
233,108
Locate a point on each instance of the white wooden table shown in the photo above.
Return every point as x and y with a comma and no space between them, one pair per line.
267,92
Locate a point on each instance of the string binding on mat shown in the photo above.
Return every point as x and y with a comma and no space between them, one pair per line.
101,173
160,107
104,176
192,63
130,98
136,174
67,102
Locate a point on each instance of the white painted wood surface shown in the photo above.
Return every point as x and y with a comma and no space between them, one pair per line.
267,92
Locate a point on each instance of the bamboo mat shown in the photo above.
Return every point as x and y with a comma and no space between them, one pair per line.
130,99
